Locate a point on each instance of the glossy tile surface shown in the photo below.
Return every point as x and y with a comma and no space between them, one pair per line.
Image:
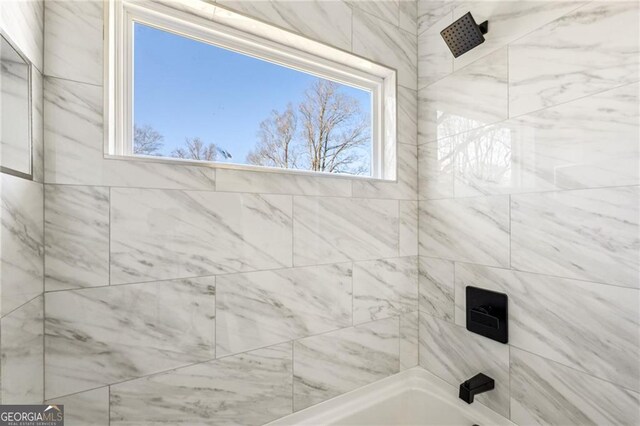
589,142
435,169
101,336
589,327
21,354
589,234
73,38
330,364
407,106
436,287
455,355
469,98
383,9
591,49
165,234
407,178
384,288
16,17
544,393
466,229
76,236
435,60
408,233
90,408
21,241
252,388
409,340
408,16
258,309
384,43
329,230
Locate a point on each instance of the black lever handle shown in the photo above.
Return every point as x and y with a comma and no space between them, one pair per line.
482,315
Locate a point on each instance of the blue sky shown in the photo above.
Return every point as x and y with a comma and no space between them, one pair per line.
185,88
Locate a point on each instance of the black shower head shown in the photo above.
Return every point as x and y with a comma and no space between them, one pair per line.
464,34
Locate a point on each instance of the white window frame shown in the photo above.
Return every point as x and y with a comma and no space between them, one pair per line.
332,64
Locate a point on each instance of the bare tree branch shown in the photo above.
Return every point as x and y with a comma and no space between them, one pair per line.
196,149
276,146
146,140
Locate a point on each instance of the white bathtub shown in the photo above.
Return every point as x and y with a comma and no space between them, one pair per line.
413,397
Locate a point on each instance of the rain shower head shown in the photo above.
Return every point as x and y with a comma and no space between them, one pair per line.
464,34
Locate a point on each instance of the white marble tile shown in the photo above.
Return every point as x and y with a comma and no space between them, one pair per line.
259,309
436,286
37,125
590,142
90,408
330,364
430,11
404,188
389,10
408,340
455,355
591,49
228,180
164,234
384,288
21,241
387,44
586,326
508,21
407,115
74,149
252,388
408,234
435,169
99,336
73,40
408,16
331,230
325,21
435,60
589,234
76,236
466,229
21,354
23,21
546,393
469,98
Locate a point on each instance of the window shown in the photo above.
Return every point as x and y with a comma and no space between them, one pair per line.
186,88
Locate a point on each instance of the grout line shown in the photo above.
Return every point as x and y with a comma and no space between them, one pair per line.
49,77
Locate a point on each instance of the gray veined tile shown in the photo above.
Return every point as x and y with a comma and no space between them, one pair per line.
430,11
455,355
228,180
331,230
404,188
73,39
590,327
408,234
15,17
330,364
435,60
99,336
389,10
384,288
471,97
21,241
408,16
258,309
76,236
435,169
588,234
436,287
407,115
150,174
165,234
387,44
409,340
21,354
586,143
90,408
466,229
249,389
325,21
37,125
543,393
508,21
591,49
16,145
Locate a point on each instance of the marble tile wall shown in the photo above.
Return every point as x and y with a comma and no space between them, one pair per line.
22,230
218,292
528,184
